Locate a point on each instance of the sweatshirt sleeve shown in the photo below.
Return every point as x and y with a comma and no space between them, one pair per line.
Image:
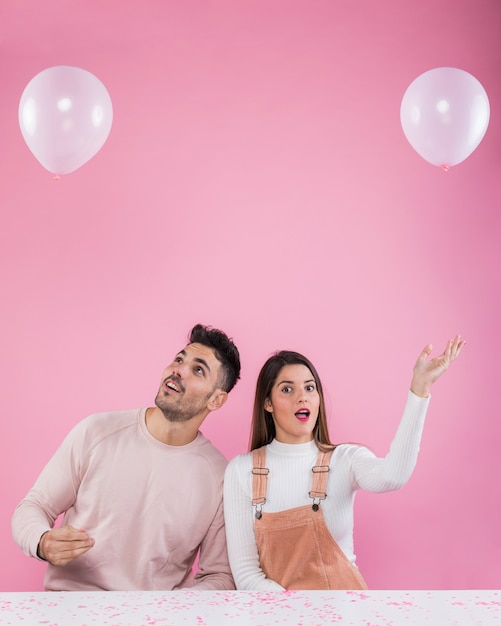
238,511
53,493
215,572
394,470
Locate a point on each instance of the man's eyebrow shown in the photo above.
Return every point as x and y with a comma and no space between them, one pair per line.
202,362
196,359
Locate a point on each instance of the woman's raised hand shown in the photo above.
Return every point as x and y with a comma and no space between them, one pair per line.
426,370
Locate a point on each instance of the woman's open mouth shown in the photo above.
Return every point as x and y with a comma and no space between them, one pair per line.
303,415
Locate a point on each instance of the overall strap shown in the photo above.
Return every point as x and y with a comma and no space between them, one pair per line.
259,479
319,478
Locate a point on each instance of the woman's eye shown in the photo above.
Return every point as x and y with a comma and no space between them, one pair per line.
286,389
310,387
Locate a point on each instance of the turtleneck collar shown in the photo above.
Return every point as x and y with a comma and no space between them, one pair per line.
293,448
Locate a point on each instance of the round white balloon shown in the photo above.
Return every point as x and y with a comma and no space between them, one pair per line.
444,115
65,115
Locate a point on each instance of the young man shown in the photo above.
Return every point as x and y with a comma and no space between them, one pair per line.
141,490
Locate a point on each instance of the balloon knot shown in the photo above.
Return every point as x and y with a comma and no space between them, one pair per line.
445,168
56,177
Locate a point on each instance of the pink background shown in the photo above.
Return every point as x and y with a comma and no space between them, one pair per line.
257,178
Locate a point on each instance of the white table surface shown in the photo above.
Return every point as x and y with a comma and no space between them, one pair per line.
239,608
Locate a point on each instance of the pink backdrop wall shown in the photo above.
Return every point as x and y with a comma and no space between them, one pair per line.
256,178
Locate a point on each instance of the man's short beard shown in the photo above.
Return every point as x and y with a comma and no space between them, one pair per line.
179,414
174,416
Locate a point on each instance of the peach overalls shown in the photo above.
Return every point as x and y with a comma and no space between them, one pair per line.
295,546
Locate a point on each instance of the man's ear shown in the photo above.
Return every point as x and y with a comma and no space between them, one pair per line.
268,406
217,400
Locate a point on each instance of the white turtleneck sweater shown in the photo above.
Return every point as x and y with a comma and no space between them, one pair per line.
352,467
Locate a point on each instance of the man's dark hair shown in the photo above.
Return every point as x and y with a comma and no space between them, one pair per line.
225,350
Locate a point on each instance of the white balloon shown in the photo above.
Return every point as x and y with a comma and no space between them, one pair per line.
444,115
65,115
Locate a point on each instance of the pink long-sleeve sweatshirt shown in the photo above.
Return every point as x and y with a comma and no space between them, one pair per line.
150,508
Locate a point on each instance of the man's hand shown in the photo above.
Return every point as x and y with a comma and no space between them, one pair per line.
427,371
61,545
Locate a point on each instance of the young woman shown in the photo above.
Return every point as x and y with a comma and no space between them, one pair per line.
289,502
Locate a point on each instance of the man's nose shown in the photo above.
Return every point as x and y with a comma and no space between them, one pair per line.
178,369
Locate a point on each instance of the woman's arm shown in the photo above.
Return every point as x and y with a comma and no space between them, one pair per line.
239,520
394,470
